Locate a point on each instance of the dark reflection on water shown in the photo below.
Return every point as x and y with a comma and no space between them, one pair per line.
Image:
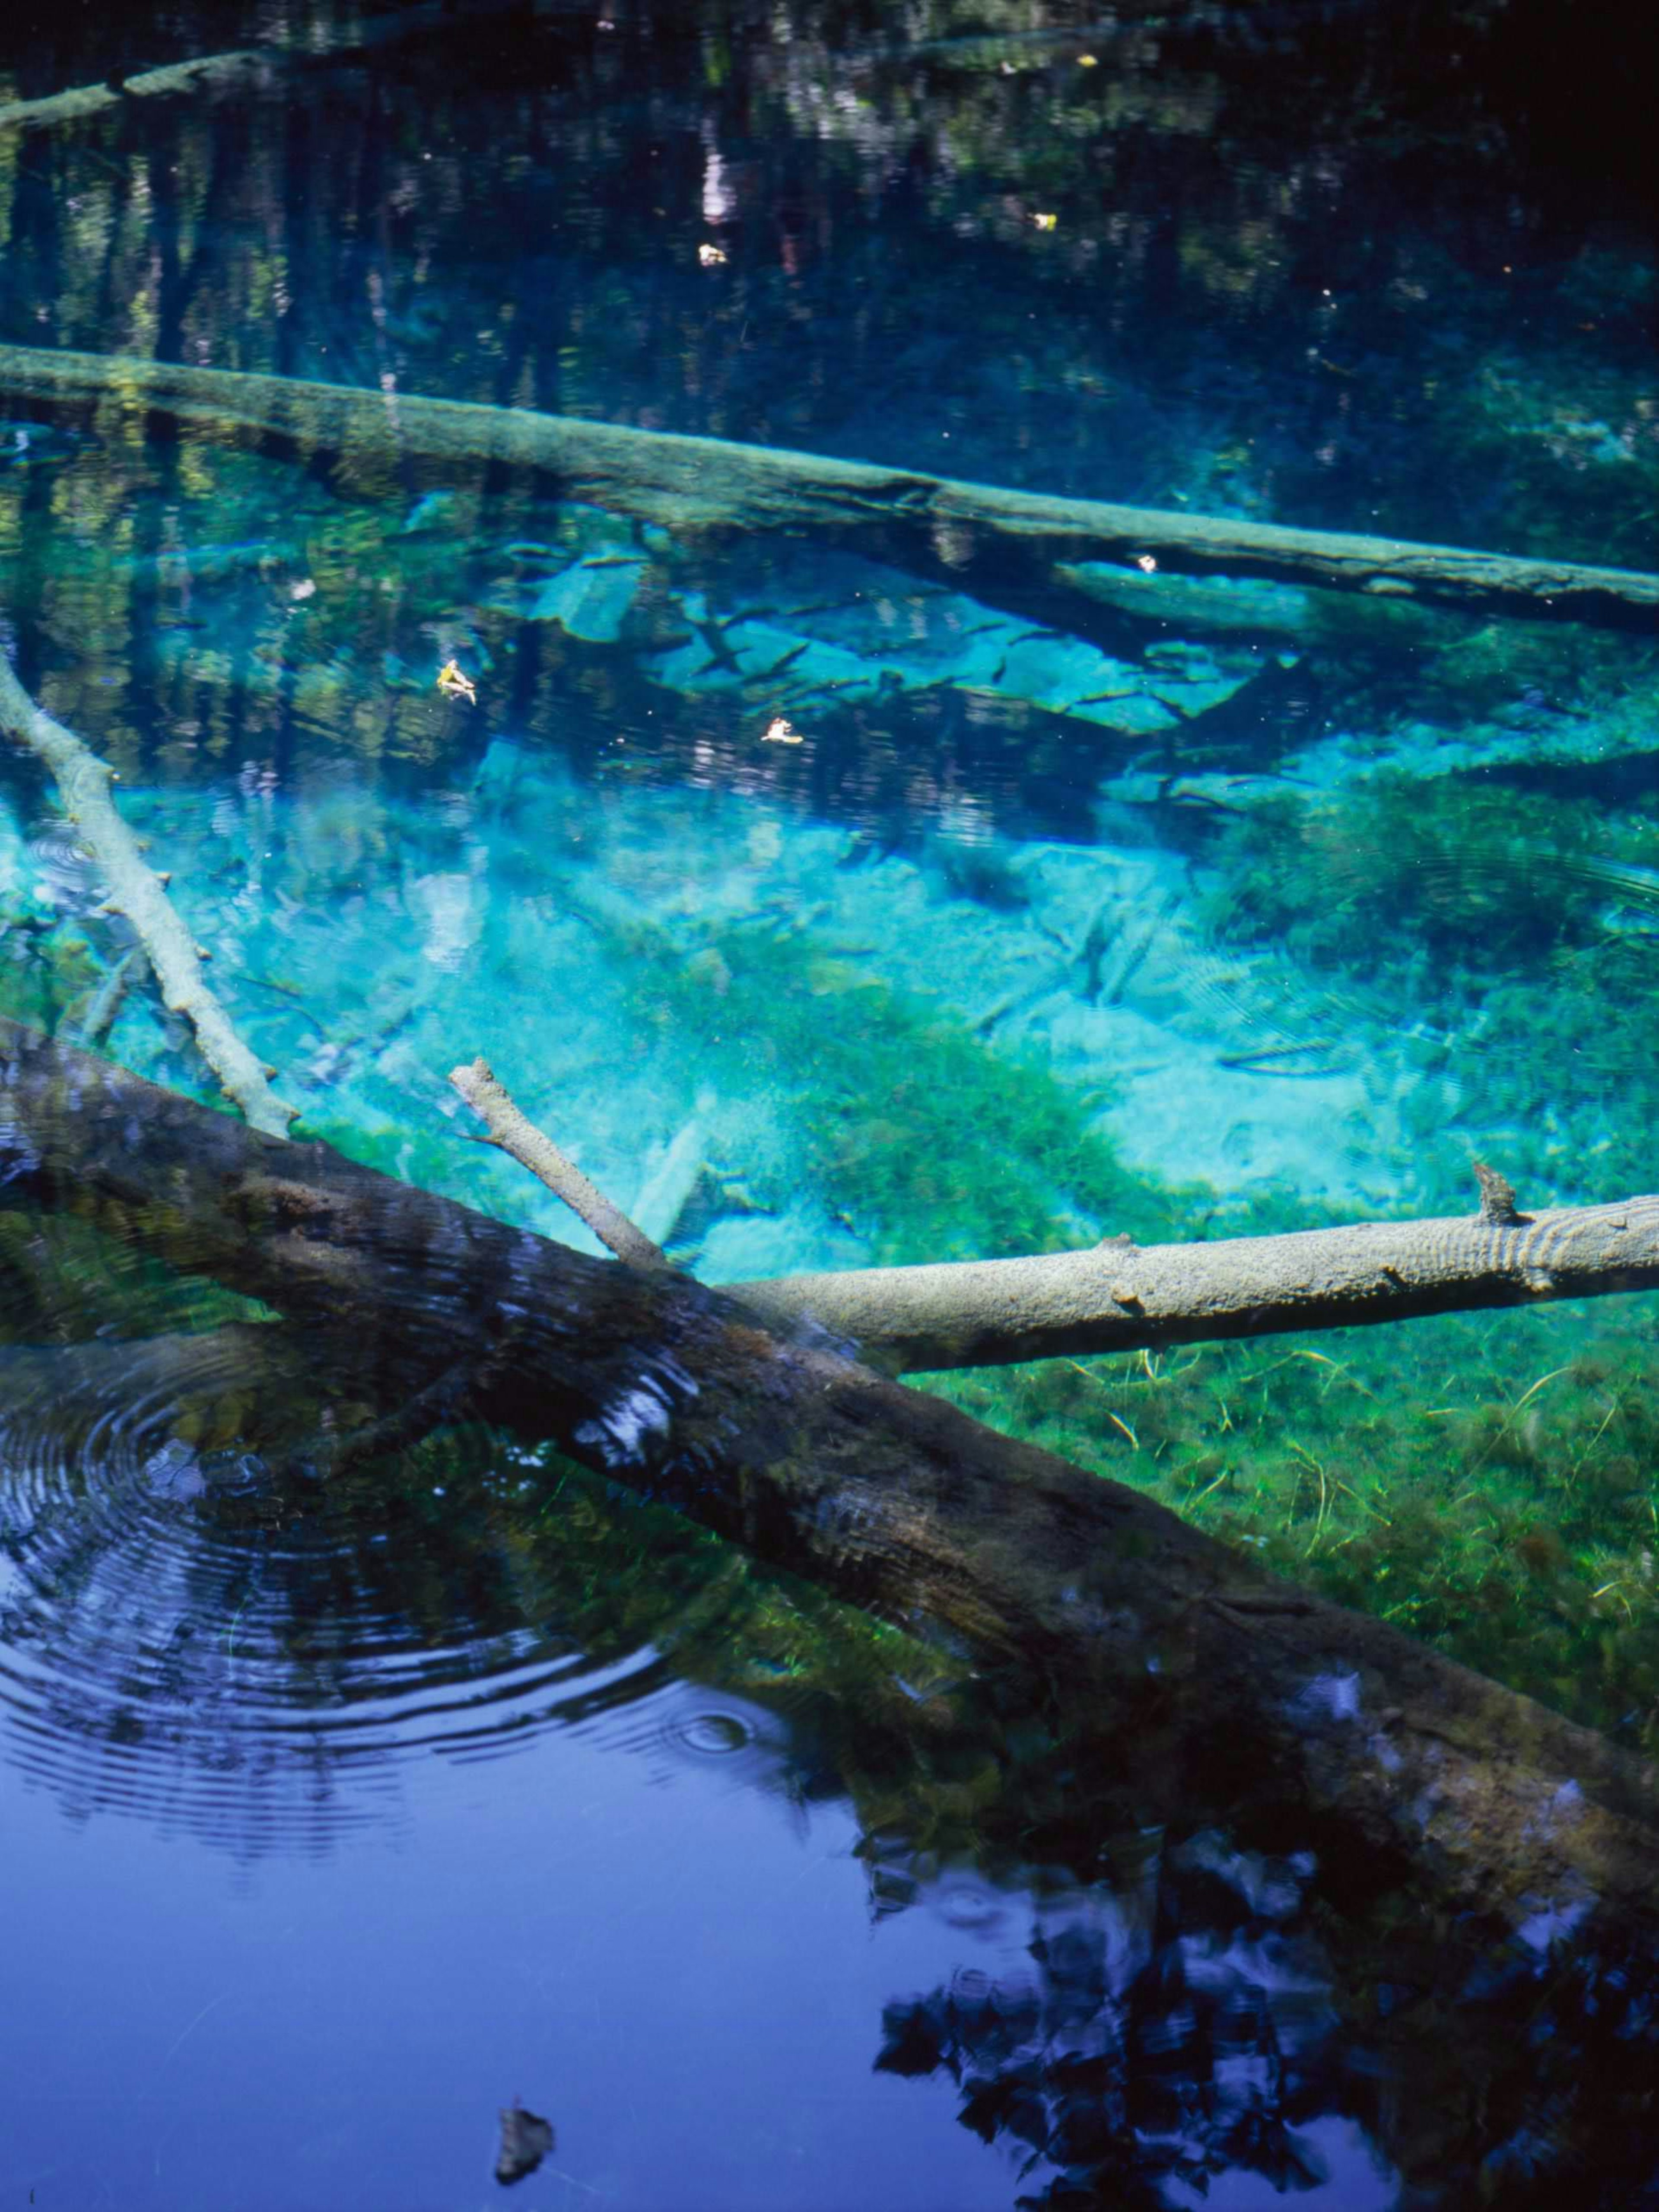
195,1642
190,1636
1205,2015
1174,2026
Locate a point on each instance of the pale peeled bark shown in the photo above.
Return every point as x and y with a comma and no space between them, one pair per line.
134,889
1126,1297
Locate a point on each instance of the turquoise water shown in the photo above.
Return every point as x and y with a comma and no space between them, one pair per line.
833,901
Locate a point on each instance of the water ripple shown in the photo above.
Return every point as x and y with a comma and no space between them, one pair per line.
186,1637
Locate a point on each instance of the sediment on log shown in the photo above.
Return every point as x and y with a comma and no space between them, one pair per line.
135,889
696,484
1202,1669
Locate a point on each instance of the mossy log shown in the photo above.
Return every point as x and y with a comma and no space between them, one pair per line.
699,484
1212,1680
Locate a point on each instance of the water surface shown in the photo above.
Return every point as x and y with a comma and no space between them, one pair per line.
832,905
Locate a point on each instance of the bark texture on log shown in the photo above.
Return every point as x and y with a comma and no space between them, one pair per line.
688,484
1119,1296
1205,1673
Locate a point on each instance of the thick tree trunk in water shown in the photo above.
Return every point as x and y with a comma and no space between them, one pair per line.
1211,1679
696,484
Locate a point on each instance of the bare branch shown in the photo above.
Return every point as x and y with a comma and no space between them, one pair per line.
515,1133
1120,1297
135,889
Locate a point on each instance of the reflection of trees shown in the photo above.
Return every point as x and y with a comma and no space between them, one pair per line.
1218,185
1199,2013
1175,2027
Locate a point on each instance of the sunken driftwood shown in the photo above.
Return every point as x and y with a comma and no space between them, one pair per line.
84,99
135,889
1122,1297
1201,1674
515,1133
688,484
240,66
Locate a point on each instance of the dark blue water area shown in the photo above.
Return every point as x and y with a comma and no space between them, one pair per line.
679,1973
772,868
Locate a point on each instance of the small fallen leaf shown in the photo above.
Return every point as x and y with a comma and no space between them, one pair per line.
526,2139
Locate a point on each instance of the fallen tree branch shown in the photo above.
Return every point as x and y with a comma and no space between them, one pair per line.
136,890
515,1133
688,483
83,99
302,48
1120,1297
1206,1677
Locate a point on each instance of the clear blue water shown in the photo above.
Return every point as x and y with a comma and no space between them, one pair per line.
331,1828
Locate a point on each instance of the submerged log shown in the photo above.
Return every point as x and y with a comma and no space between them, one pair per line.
1120,1297
694,484
1208,1675
239,67
134,889
1117,1296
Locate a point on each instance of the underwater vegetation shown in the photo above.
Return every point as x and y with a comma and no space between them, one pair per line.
934,1147
1520,927
196,607
1487,1484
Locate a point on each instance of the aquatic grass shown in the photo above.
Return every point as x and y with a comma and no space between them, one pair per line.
1451,1475
46,969
932,1145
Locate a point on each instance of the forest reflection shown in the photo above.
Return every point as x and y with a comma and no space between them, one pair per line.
1176,297
1179,293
